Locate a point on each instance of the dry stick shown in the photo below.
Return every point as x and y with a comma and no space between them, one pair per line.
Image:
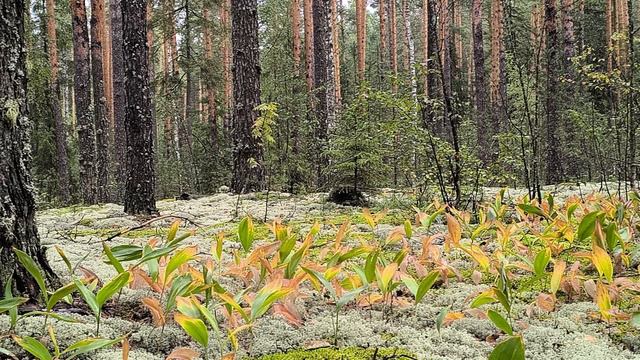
143,225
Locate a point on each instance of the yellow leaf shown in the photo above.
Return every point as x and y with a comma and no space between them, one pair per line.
387,274
558,271
603,300
602,262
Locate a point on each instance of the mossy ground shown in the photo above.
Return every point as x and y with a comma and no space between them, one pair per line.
568,333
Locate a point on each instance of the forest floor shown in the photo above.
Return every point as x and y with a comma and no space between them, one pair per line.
567,333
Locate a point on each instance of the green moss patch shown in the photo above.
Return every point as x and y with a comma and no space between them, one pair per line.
352,353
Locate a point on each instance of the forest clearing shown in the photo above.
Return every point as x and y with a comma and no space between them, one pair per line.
319,179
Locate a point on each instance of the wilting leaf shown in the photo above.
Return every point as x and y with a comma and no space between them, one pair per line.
126,347
155,309
500,322
454,229
510,349
545,302
183,353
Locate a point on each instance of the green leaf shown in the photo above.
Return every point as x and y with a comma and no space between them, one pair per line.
87,345
541,261
34,347
503,299
292,265
33,269
408,231
111,288
531,209
587,225
13,311
112,259
88,297
441,316
54,315
209,316
126,252
11,303
155,254
173,230
245,233
500,322
410,283
370,267
426,284
177,260
348,297
635,320
195,328
286,246
64,258
326,283
179,287
486,297
264,300
60,294
510,349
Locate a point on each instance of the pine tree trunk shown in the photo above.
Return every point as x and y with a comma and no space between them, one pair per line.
361,35
335,41
295,31
498,79
140,187
393,43
483,127
119,96
190,104
248,173
382,14
59,130
17,213
99,101
308,45
553,160
226,62
106,68
82,96
569,36
208,77
325,81
411,60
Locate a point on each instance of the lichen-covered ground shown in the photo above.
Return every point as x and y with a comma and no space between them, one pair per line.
568,333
